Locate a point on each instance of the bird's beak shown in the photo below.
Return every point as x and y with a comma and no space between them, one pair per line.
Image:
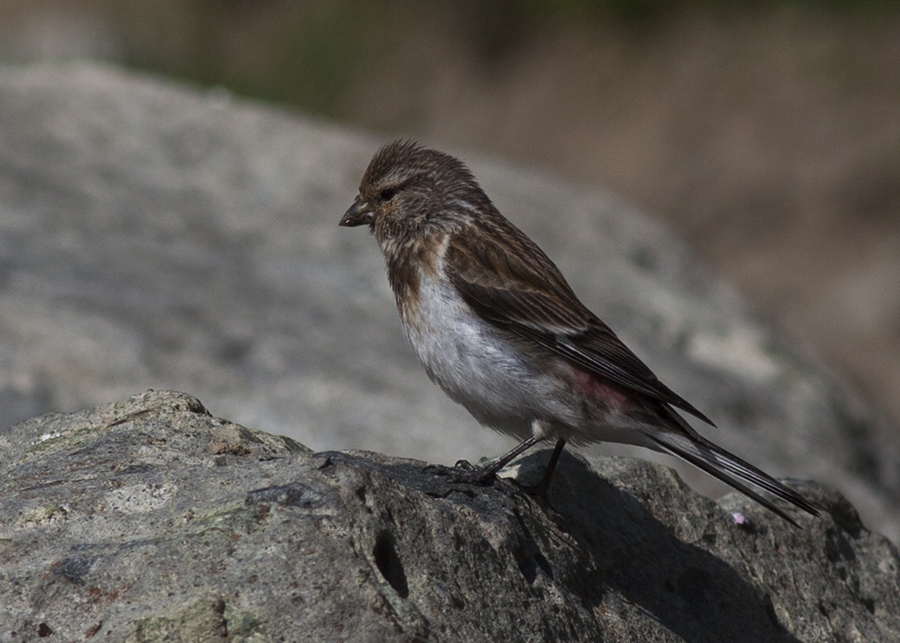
360,213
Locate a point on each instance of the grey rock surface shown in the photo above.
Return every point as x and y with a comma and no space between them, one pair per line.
150,519
160,236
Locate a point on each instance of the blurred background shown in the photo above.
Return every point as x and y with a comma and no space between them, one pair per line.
767,133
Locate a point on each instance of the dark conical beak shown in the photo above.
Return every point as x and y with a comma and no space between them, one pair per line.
358,214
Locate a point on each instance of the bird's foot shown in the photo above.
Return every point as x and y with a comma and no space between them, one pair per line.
464,472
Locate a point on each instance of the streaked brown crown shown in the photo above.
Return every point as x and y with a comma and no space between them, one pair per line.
407,186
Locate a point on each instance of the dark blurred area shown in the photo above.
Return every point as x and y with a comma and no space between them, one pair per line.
768,133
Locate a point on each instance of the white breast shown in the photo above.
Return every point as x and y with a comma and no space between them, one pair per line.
476,367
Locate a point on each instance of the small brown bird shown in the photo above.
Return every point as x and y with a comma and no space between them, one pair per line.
497,327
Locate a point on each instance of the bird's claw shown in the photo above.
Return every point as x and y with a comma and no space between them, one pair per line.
463,472
465,465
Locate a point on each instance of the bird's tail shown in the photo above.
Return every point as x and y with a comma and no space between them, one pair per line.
730,469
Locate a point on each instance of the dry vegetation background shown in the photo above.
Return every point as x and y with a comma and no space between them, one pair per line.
768,135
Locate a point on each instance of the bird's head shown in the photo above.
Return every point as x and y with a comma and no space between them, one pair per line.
409,190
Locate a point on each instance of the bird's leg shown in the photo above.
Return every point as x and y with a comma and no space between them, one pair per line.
541,488
468,473
494,467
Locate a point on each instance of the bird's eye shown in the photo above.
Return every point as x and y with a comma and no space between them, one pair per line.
387,194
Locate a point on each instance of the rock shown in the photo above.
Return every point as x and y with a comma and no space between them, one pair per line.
160,236
151,520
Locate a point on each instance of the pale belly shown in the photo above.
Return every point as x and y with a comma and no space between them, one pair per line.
479,369
536,395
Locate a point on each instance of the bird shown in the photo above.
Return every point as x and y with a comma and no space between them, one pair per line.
498,328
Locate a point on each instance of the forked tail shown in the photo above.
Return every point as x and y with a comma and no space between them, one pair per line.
718,462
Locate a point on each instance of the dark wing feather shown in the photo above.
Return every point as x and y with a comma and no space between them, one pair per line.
507,279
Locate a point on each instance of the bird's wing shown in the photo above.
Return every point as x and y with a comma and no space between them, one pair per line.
508,280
